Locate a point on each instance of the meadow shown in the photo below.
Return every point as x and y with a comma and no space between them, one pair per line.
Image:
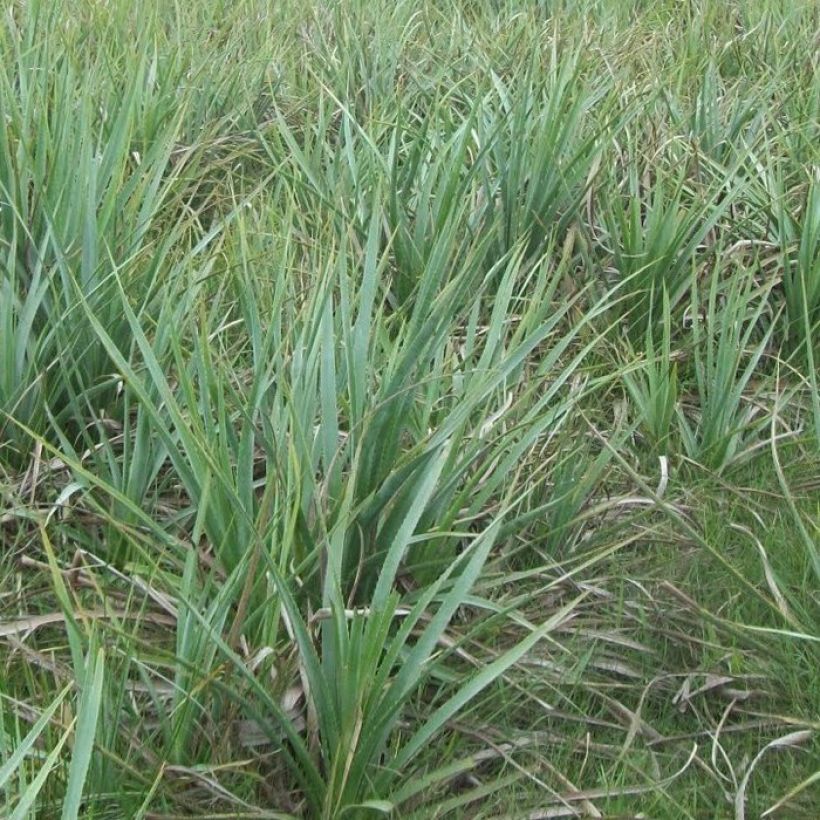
409,408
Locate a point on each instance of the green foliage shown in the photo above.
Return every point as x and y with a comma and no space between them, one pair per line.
726,356
339,346
653,386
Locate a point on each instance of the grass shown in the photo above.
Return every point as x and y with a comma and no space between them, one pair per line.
409,409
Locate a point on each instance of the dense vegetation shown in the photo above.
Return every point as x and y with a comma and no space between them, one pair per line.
409,408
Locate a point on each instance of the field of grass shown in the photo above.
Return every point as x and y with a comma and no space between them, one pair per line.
409,408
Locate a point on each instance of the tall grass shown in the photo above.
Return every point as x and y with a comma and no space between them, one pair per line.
339,347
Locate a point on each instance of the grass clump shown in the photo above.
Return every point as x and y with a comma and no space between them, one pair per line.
409,409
